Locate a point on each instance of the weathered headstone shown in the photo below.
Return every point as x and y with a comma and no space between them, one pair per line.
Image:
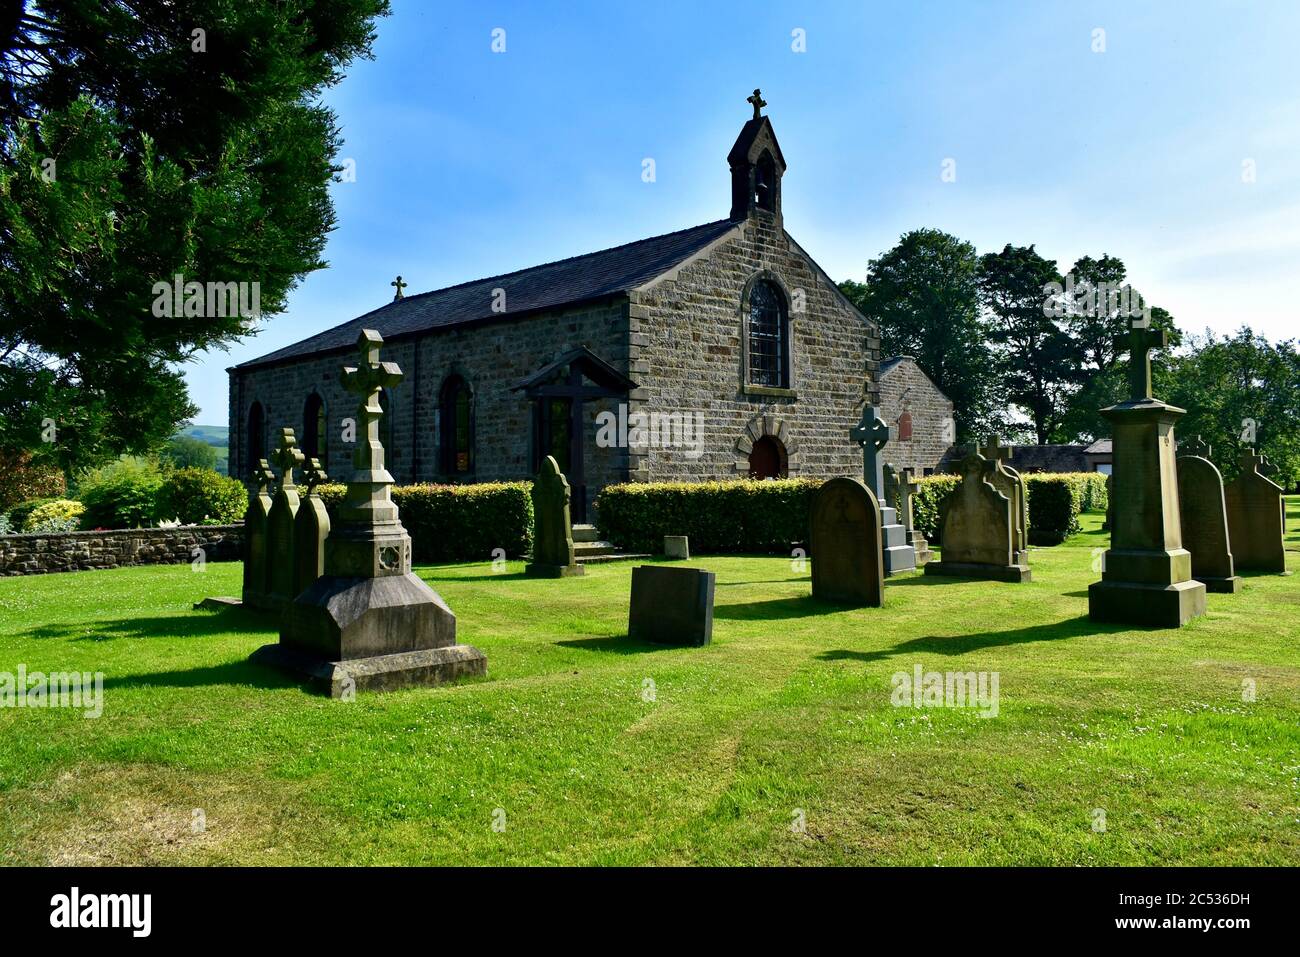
369,622
1148,573
847,560
311,527
280,524
671,606
871,434
1255,526
1011,484
552,526
1205,520
907,489
677,546
256,581
979,528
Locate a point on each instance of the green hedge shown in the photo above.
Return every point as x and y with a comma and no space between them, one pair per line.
732,516
201,496
19,513
1055,503
449,523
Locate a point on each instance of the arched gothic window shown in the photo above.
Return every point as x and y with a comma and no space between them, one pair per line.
314,428
768,337
256,436
456,427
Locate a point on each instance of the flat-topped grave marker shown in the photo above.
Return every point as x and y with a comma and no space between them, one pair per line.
671,606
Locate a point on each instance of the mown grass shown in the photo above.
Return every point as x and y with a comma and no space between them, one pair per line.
787,713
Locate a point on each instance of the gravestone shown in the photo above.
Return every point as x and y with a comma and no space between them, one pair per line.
369,622
671,606
871,434
1147,578
979,528
890,497
847,559
256,581
311,527
1011,484
552,527
677,546
1255,527
280,525
907,489
1205,519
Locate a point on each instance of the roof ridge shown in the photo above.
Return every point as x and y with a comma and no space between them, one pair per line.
554,262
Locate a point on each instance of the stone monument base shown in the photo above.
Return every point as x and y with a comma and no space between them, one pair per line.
1223,586
219,603
996,573
1154,606
533,570
345,618
407,669
899,555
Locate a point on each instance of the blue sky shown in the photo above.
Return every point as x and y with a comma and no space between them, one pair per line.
471,163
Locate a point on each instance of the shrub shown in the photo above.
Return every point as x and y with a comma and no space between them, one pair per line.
123,494
1055,501
457,522
59,515
21,479
928,504
739,515
18,514
5,527
201,496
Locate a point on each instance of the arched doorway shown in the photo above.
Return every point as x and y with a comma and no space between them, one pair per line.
767,459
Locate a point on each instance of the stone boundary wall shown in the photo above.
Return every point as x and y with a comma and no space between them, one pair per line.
39,554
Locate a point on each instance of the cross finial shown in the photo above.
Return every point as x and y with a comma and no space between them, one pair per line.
263,477
757,101
1139,341
399,285
995,451
1252,461
870,434
1195,446
288,457
365,380
313,474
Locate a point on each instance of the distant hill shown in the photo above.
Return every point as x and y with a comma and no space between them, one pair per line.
217,436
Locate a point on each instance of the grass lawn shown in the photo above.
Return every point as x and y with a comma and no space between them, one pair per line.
788,710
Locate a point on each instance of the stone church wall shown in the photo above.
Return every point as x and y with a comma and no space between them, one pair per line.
905,388
687,355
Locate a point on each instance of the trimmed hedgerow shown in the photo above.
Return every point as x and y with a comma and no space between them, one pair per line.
928,503
449,523
1055,503
732,516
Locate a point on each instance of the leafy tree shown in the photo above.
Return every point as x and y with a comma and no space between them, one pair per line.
924,296
141,140
185,451
1039,357
1222,381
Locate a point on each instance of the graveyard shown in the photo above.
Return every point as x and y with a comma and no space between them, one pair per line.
582,746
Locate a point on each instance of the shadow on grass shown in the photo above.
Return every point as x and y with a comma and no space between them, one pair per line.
490,576
232,673
960,644
618,644
198,624
774,609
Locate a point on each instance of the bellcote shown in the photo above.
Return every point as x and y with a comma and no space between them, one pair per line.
756,168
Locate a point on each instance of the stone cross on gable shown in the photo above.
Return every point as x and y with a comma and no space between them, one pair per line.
1194,446
1251,461
365,380
399,285
288,457
1138,342
995,451
757,102
870,434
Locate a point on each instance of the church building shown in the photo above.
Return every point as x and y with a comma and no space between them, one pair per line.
714,352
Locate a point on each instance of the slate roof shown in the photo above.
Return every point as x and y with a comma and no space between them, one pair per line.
585,278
